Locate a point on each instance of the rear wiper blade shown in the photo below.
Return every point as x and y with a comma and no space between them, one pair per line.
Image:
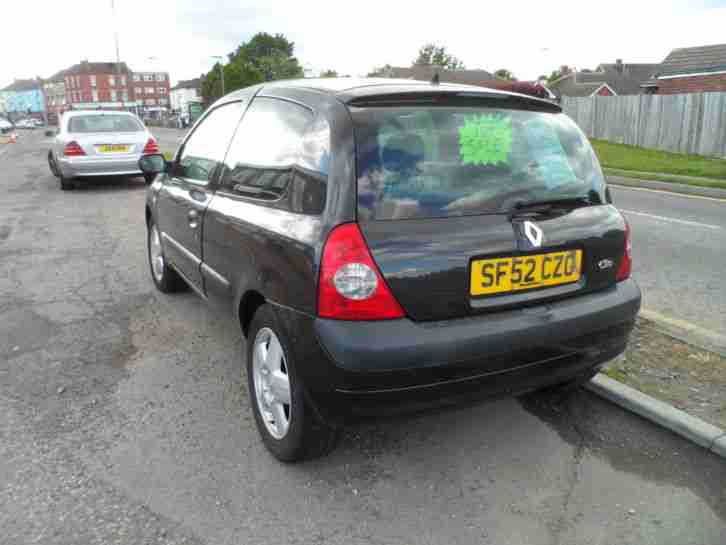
549,203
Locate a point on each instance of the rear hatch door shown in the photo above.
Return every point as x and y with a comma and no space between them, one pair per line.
472,209
108,135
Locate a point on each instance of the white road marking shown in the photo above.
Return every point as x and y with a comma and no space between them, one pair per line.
671,193
674,220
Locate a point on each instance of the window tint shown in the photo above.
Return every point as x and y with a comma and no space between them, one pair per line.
441,161
278,147
103,123
204,150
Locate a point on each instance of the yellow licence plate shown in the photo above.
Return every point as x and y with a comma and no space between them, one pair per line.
113,148
506,274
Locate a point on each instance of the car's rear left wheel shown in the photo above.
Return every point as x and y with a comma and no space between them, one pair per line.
52,165
290,427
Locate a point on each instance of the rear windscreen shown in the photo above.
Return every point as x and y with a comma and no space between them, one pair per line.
428,162
104,123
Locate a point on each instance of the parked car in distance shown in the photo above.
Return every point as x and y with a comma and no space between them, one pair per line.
96,143
37,122
25,124
6,126
387,243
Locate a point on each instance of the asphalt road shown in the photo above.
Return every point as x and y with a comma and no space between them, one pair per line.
168,139
123,420
679,249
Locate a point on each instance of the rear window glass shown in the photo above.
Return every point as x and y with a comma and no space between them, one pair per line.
104,123
426,162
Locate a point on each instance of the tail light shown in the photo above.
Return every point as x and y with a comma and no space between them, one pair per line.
151,147
73,149
626,263
351,286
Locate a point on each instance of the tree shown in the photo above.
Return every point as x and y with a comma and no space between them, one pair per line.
263,58
505,74
328,74
557,74
432,54
380,72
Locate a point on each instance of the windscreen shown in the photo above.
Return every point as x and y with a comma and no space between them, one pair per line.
104,123
432,161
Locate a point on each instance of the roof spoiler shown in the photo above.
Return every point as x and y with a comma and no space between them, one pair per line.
442,97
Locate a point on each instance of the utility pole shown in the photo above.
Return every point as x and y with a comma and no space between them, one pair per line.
221,74
118,57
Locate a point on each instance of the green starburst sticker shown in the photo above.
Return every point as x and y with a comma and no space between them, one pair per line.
485,139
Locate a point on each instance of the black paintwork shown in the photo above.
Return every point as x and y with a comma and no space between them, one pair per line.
426,261
248,250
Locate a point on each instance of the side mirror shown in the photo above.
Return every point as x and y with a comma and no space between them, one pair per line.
152,164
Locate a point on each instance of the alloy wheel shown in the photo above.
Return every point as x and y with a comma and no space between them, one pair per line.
272,382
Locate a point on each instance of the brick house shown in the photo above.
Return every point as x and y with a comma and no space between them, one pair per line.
98,85
54,89
691,70
424,72
608,79
151,90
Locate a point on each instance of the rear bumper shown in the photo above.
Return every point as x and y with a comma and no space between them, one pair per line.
504,352
128,165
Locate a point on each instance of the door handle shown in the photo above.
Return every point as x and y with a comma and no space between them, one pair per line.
193,217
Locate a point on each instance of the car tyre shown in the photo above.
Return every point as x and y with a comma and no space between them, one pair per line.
52,166
304,435
65,183
166,279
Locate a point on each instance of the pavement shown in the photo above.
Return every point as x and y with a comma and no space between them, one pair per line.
125,420
679,257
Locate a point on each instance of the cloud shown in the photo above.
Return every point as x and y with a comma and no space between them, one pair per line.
528,38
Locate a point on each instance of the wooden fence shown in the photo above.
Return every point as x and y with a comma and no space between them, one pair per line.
691,123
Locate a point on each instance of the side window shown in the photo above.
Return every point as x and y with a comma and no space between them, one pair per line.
307,194
266,155
204,150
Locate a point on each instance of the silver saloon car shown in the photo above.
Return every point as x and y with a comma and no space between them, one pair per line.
99,143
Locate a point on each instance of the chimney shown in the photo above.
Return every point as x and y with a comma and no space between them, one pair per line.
619,65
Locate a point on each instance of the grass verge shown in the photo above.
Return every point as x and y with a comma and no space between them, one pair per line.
675,372
672,178
634,158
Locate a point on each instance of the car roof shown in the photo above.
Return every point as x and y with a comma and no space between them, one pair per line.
348,90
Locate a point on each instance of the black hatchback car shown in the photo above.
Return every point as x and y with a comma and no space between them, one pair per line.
390,242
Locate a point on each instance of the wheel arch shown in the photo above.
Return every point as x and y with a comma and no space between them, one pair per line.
248,305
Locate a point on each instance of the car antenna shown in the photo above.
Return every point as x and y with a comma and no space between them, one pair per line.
435,79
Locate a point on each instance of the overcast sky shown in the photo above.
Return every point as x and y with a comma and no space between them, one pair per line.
40,37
